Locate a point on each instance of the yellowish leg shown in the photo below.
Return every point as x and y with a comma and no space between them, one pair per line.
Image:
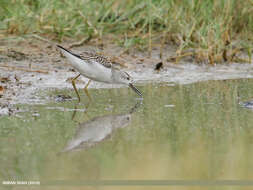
86,90
74,85
74,114
87,94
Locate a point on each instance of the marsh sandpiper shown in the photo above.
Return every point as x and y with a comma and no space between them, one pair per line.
98,68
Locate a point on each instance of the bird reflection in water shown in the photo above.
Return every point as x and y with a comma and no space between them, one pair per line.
98,129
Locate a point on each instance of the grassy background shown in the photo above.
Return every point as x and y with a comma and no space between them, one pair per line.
215,29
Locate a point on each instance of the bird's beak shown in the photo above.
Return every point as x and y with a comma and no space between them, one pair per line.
135,89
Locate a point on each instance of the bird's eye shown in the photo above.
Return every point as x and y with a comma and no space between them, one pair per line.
128,78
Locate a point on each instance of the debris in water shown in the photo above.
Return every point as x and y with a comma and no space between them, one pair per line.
62,98
7,110
35,114
159,66
248,104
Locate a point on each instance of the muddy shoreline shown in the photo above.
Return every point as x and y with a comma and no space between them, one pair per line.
29,67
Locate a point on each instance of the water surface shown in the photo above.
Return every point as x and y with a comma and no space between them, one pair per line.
183,132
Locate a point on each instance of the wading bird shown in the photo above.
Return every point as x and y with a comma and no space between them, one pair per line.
98,68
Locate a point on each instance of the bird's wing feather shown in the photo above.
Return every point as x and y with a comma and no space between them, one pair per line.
90,57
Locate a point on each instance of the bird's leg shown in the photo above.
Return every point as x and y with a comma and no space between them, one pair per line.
74,85
74,113
87,94
86,86
86,89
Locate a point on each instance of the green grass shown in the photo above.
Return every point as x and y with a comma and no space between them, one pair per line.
216,29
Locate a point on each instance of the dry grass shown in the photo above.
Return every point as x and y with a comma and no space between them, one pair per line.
216,30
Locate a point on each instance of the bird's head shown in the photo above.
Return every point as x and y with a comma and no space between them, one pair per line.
125,78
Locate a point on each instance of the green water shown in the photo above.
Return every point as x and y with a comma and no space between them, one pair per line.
182,132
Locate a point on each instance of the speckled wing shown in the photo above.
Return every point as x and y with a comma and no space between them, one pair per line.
90,57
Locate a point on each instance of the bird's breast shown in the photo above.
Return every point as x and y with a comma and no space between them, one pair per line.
93,70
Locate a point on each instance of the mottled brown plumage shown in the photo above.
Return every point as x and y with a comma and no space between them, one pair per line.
90,57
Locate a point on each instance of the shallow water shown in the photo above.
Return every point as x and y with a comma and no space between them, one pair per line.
183,132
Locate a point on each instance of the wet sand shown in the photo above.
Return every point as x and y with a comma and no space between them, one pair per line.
29,67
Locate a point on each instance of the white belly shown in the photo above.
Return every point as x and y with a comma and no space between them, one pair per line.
94,71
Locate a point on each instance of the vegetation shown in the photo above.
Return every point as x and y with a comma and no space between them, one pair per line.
216,30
